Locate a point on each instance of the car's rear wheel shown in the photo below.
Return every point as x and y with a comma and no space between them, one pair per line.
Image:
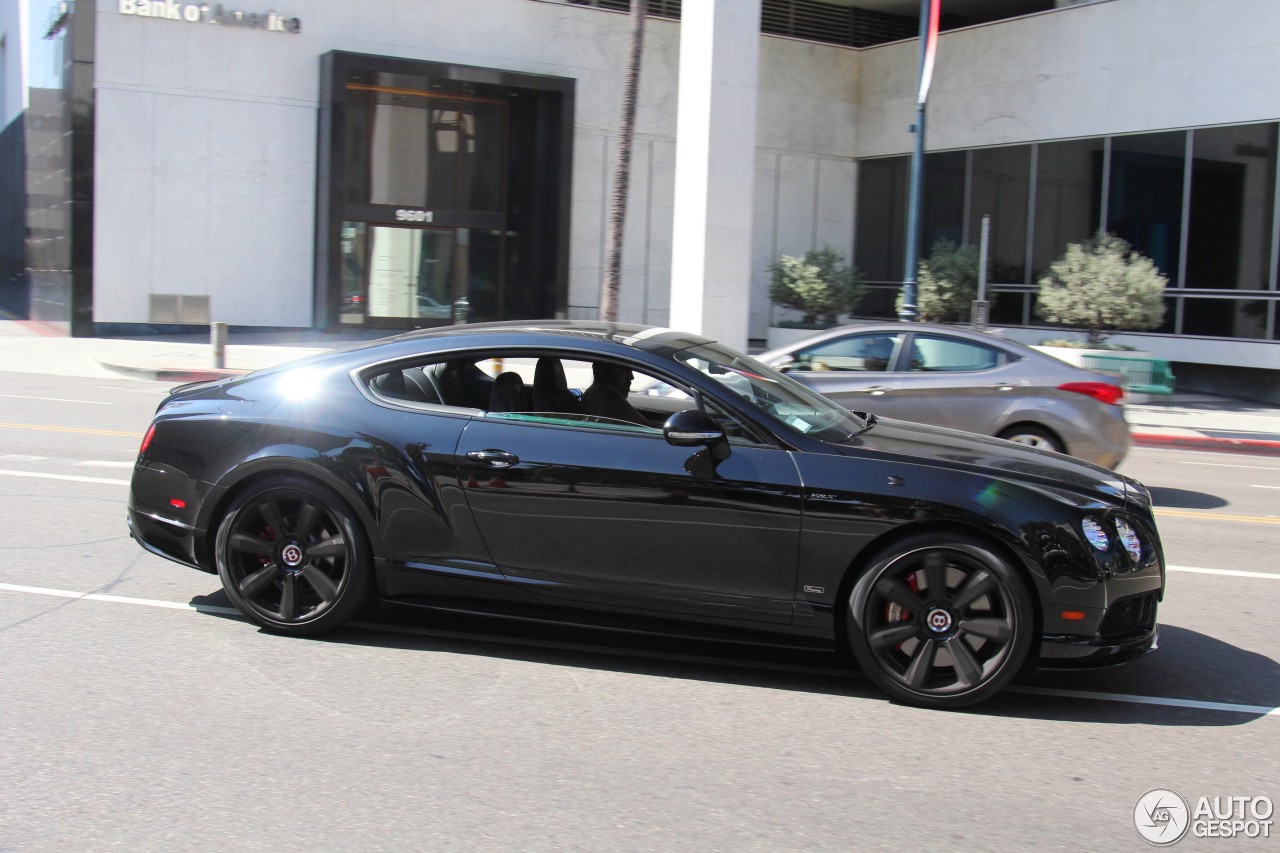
940,621
1034,436
292,557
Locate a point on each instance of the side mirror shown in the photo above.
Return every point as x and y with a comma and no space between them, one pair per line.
694,428
783,364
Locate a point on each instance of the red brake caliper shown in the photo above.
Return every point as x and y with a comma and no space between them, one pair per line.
269,535
895,612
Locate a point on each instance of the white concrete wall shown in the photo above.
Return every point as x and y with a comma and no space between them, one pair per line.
206,143
206,147
206,136
1090,70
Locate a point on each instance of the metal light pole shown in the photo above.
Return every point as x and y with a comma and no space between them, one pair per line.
929,10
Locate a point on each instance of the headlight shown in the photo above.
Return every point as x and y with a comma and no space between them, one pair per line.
1129,539
1095,534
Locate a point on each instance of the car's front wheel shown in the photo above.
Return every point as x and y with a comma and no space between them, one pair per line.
1034,436
940,621
292,558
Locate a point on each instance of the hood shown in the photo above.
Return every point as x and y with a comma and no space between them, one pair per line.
1048,471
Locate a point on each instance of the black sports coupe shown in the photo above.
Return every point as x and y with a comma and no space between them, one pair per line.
639,477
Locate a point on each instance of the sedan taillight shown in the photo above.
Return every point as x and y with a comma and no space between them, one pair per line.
1104,392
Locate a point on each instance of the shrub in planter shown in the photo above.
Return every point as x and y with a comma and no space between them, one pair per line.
946,283
1102,286
820,285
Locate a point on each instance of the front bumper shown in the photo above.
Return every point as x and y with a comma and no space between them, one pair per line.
1128,630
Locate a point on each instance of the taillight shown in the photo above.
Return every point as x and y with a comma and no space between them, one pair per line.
1104,392
146,439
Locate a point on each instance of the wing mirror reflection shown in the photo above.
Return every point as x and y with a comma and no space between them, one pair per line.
695,428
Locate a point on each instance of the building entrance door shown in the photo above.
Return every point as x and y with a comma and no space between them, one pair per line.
396,274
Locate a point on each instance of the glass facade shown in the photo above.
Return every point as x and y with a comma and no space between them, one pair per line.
1201,204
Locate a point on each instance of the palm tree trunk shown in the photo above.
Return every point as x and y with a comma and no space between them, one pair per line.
609,286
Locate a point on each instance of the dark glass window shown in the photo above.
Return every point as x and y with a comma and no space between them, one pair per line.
1224,318
422,150
879,302
1232,186
1068,198
943,199
1000,188
1144,199
1011,309
484,276
882,218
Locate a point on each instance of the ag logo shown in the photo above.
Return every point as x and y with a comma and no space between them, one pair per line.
1161,816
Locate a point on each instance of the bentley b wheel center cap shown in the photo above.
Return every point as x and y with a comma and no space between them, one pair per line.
292,556
938,620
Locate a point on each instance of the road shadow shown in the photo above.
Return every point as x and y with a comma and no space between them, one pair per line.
1184,499
1188,666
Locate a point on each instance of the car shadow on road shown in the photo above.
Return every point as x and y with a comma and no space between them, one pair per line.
1184,499
1189,666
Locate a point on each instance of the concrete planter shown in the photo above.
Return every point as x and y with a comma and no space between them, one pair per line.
1075,355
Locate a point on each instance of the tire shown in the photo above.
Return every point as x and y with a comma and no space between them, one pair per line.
940,621
293,558
1034,436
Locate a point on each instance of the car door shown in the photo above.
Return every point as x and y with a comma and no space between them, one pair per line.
610,514
855,370
954,382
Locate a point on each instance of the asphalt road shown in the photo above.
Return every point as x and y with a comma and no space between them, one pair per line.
135,721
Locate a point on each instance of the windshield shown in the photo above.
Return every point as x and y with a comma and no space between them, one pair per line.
797,406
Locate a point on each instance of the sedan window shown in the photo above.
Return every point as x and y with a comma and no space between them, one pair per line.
852,352
930,353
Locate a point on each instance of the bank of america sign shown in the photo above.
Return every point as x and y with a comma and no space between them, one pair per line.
210,13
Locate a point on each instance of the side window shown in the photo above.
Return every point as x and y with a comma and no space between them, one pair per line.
548,389
864,353
930,353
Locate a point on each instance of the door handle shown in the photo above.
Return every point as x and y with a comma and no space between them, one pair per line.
493,458
1002,387
875,391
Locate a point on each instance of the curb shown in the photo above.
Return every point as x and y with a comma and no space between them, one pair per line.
1207,442
175,374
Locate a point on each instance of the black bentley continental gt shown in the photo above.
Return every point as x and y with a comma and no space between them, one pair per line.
638,477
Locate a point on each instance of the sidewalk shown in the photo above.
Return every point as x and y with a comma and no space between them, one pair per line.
1192,421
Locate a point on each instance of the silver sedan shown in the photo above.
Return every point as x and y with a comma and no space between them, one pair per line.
957,378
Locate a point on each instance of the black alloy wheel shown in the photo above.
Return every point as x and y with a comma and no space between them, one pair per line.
292,558
940,621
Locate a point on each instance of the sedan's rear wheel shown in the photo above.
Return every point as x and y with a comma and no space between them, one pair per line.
940,621
1034,436
292,558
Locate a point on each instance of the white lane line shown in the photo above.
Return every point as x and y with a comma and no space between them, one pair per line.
1256,486
115,599
22,457
57,400
102,463
72,477
1169,702
1231,573
1229,465
1165,701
